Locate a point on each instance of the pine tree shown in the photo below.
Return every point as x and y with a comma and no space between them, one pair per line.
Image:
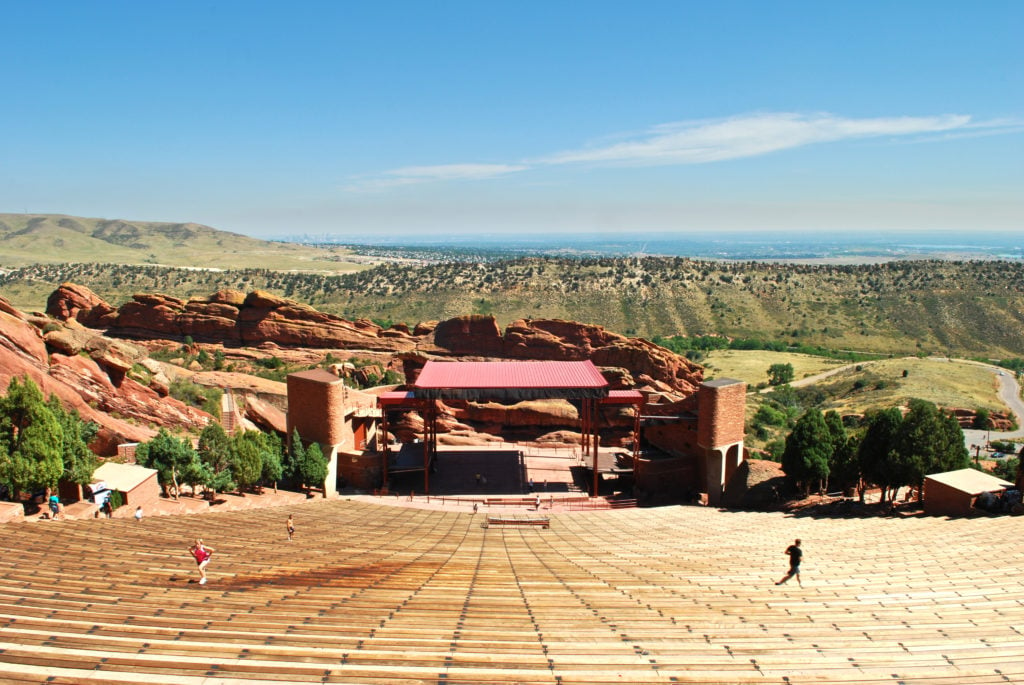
215,453
171,458
842,465
928,442
808,450
246,459
295,456
31,439
79,461
314,467
875,452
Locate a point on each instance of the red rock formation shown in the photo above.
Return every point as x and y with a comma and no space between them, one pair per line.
261,318
467,336
226,317
265,415
84,385
532,413
556,340
77,302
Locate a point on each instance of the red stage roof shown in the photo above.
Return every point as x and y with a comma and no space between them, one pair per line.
397,398
624,397
510,380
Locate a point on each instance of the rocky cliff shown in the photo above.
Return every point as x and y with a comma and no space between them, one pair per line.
228,316
238,319
89,374
626,362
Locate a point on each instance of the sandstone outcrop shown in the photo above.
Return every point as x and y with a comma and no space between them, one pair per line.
95,385
259,318
265,415
225,317
531,413
71,301
477,336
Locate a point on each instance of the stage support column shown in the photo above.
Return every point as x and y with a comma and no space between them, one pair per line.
428,420
638,409
593,431
387,447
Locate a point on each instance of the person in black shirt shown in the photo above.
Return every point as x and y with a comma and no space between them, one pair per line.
795,555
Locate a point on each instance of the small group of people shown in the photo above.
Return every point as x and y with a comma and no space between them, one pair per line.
202,554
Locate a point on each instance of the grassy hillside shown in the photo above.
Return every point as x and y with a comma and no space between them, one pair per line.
51,238
857,389
751,366
956,309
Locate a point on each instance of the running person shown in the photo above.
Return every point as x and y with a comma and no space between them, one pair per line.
795,556
202,555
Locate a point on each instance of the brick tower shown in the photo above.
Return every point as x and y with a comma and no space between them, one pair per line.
721,412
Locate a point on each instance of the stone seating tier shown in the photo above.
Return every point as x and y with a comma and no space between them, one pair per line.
384,594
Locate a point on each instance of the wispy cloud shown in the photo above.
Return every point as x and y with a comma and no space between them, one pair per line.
704,141
426,174
748,136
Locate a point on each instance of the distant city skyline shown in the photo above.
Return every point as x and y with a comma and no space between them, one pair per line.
467,118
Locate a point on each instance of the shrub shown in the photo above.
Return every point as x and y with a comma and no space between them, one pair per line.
770,416
194,395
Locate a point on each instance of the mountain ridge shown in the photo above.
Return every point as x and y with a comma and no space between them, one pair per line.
27,239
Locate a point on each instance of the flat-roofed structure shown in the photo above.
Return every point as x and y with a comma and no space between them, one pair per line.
954,493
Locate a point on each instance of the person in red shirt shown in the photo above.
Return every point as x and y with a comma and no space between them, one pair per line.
202,555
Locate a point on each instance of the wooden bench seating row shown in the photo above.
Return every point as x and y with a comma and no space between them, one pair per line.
374,594
541,521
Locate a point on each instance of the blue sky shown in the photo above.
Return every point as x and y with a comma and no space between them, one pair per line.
437,118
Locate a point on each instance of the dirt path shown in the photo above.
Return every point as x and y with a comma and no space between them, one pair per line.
810,380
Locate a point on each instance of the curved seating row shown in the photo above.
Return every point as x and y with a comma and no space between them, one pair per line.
371,593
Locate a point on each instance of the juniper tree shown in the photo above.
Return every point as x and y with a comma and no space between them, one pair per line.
313,469
79,461
170,457
31,439
875,453
246,459
808,450
215,453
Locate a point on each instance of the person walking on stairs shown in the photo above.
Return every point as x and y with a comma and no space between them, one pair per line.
795,556
290,524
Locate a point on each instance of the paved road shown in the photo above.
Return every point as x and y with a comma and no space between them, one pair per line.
1009,392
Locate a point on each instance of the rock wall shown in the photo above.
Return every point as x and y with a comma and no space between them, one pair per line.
238,319
94,383
228,317
643,363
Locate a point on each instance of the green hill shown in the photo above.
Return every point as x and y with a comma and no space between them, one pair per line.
964,309
53,238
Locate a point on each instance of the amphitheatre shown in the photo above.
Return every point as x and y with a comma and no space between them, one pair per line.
374,593
379,588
